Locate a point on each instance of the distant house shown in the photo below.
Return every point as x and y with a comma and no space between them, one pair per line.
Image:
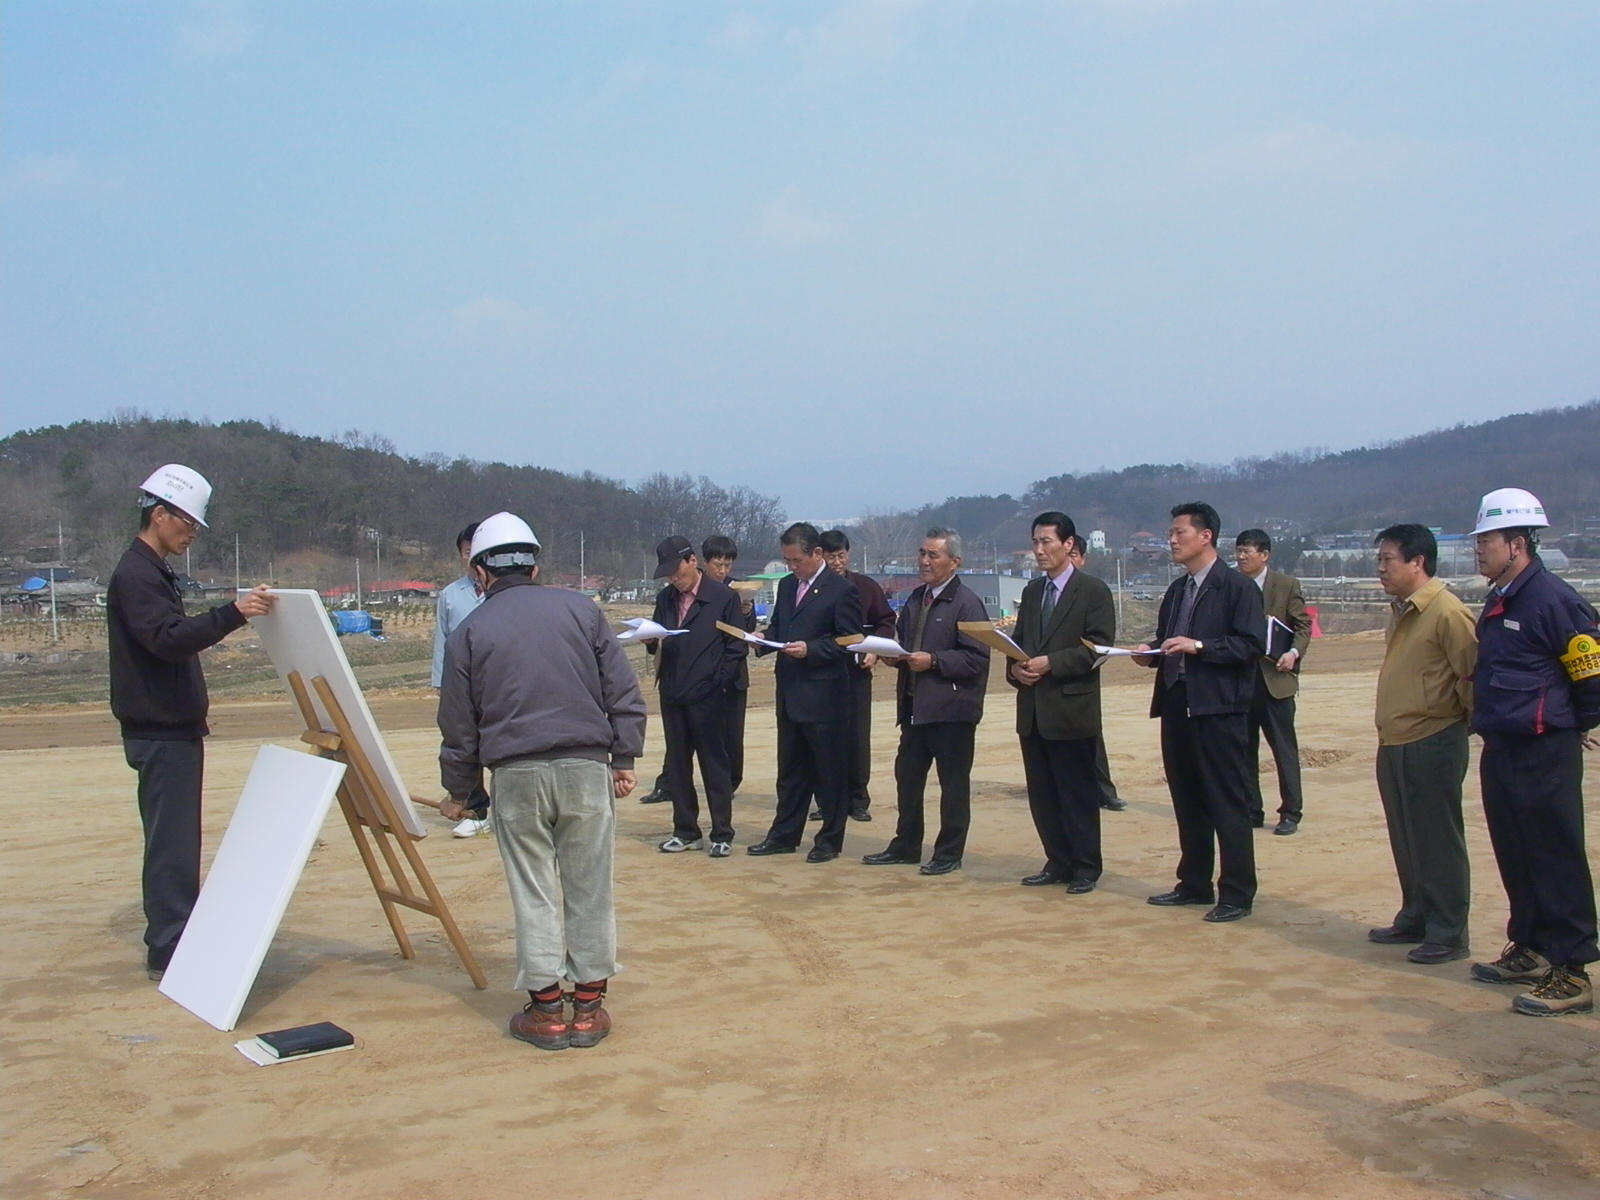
384,591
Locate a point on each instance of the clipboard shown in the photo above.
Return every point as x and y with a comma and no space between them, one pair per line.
995,639
742,635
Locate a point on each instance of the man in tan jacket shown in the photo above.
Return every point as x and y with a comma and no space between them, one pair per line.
1277,681
1423,701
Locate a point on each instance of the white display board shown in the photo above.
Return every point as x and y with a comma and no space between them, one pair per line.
298,636
257,865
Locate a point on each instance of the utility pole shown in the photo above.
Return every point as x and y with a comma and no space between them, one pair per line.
1119,591
581,572
55,625
358,582
238,577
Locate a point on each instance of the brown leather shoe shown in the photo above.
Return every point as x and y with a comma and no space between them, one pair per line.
543,1025
590,1022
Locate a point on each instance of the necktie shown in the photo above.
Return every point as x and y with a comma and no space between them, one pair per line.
1172,665
800,592
1047,605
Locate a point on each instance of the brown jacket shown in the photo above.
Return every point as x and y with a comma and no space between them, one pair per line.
1283,600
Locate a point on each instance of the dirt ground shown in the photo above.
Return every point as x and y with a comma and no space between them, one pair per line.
789,1030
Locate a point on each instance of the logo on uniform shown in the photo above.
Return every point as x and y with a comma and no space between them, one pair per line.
1582,659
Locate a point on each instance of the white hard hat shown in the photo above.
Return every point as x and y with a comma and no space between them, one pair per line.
179,486
508,534
1510,508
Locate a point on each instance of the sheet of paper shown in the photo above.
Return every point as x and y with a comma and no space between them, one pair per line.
262,1057
734,631
881,646
995,639
1118,651
643,629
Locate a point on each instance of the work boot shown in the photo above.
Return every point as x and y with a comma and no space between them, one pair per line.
1516,964
543,1024
590,1021
1562,990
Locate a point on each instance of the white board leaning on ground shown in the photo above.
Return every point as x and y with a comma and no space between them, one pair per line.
298,636
270,835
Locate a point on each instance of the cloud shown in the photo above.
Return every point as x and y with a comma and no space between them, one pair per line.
789,221
59,175
492,321
743,34
861,31
46,174
215,29
1302,153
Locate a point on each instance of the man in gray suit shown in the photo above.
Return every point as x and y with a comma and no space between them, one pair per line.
1058,705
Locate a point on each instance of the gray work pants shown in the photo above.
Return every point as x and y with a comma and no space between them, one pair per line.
171,774
1420,785
553,821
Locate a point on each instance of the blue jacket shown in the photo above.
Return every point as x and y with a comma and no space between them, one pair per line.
1521,684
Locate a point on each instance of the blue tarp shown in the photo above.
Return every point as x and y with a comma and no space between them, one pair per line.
35,584
346,621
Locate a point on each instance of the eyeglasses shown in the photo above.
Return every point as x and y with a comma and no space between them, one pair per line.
185,519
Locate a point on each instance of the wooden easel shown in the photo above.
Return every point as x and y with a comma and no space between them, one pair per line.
369,812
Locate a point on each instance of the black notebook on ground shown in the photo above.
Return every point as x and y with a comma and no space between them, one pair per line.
305,1039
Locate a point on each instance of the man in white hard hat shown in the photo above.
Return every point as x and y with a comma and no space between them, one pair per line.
537,689
1536,695
158,694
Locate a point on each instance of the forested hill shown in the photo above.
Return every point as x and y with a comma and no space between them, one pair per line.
1435,479
283,493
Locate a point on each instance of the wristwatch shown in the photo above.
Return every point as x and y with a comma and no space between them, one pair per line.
1198,645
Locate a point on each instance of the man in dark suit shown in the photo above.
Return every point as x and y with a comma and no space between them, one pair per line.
1277,681
939,702
1208,637
877,619
1058,705
695,671
815,607
1109,800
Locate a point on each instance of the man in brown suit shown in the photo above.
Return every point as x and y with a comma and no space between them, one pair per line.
1277,681
1058,705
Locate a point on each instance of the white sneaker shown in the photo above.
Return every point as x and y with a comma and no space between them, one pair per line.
676,845
720,849
468,827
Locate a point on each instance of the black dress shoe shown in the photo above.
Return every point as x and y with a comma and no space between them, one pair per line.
1286,826
860,814
1174,898
1113,804
816,815
767,846
655,797
885,857
1042,878
1258,822
1431,954
1226,912
1079,887
1390,936
822,854
939,866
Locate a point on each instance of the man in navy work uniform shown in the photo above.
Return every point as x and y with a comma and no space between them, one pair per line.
1536,691
158,695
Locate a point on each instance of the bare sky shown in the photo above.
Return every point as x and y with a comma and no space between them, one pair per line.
861,254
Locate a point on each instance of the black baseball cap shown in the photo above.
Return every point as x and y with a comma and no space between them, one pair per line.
670,553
